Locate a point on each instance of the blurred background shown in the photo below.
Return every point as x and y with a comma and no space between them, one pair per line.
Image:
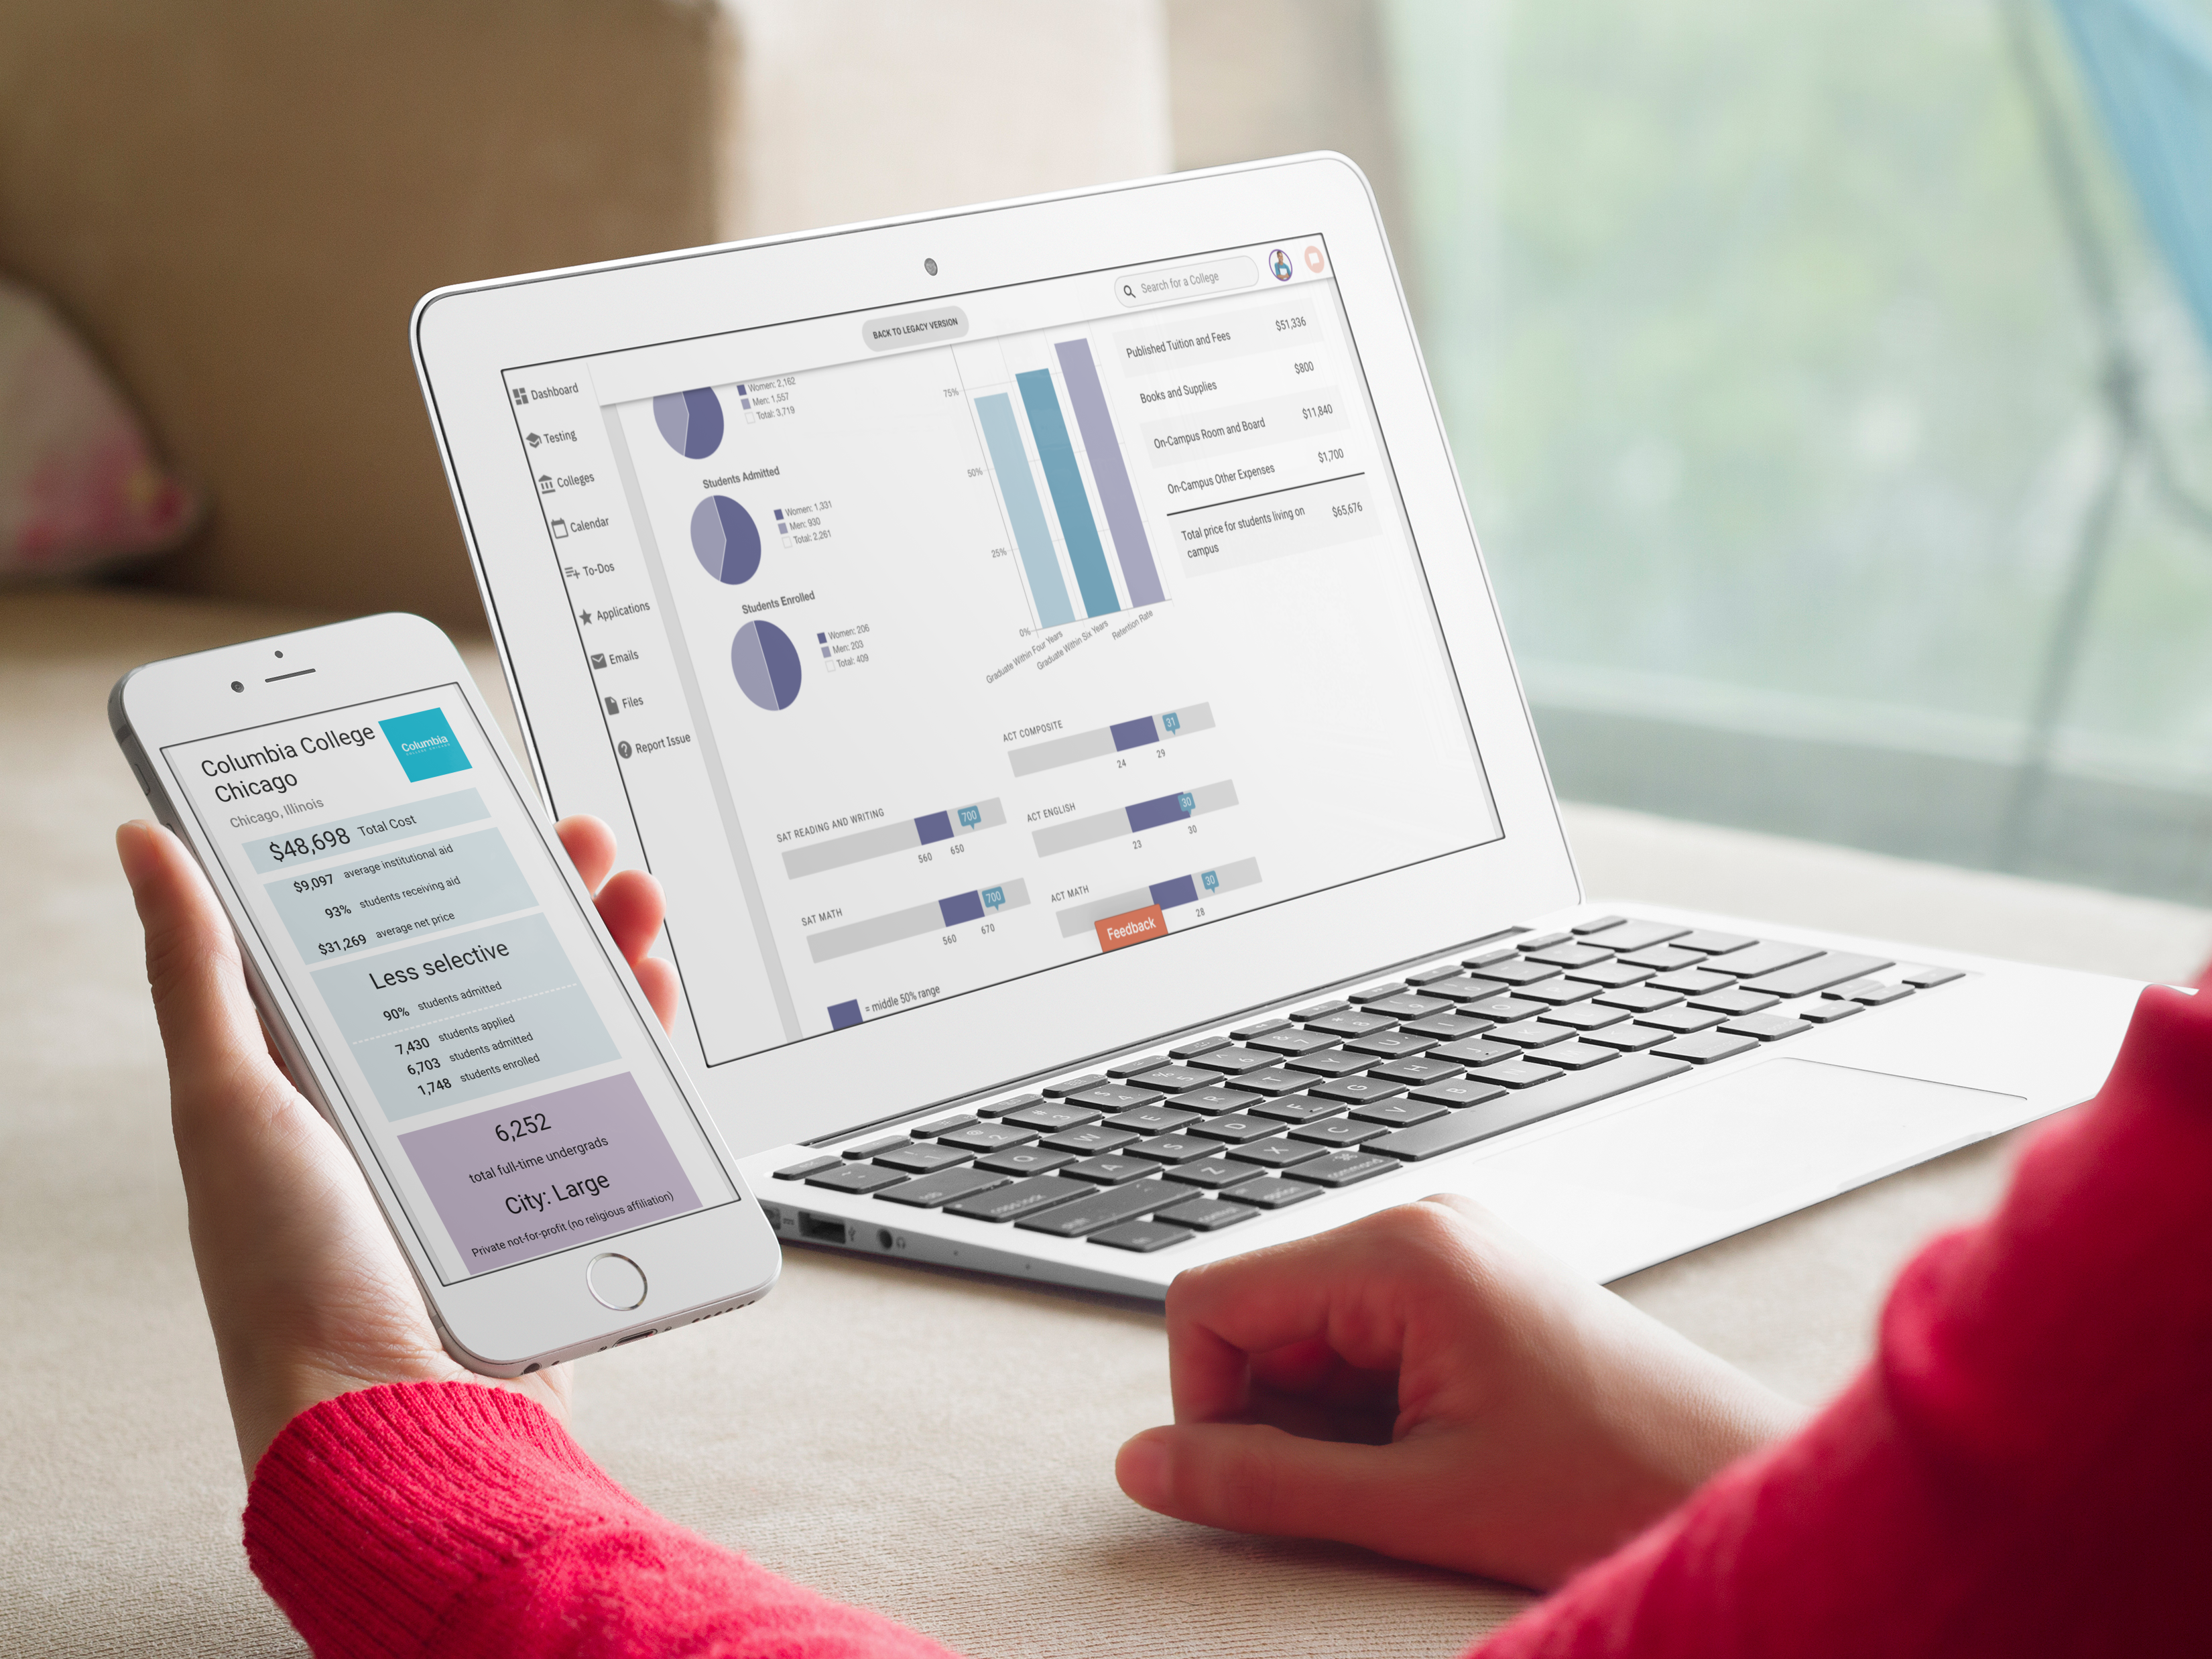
1829,381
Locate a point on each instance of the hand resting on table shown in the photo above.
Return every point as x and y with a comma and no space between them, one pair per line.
1432,1385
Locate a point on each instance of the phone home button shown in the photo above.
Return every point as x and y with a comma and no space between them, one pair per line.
615,1282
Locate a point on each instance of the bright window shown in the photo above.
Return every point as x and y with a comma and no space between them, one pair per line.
1781,404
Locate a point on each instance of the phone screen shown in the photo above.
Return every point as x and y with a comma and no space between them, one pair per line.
474,1021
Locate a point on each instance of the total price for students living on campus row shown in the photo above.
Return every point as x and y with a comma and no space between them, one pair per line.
301,847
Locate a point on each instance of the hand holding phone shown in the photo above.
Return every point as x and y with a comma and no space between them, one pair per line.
438,985
308,1295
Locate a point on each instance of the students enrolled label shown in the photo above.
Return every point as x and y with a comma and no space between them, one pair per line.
544,1174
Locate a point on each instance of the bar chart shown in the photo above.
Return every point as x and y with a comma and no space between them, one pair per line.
1134,819
1143,732
912,923
1080,538
1168,894
902,836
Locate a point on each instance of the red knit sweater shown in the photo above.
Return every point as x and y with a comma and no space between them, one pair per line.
2024,1469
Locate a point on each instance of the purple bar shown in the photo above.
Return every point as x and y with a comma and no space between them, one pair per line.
577,1164
1134,734
842,1014
937,826
1169,894
1151,814
1109,471
961,907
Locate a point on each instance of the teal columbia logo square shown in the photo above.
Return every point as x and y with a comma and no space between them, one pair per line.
426,745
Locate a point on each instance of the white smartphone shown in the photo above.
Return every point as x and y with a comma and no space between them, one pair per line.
438,982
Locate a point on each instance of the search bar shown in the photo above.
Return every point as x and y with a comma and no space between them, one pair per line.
1190,282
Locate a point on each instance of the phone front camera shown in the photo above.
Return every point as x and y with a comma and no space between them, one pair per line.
238,685
930,265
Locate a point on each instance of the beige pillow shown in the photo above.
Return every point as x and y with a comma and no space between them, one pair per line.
80,486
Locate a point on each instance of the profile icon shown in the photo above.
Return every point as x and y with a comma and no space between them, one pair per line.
1280,264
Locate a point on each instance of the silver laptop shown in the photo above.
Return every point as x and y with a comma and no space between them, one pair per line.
1044,652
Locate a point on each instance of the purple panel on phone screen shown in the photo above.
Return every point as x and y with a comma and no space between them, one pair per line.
544,1173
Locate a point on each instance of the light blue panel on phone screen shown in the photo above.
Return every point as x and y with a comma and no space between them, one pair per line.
294,846
384,896
464,1016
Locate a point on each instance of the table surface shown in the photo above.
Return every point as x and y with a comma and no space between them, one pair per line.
938,1447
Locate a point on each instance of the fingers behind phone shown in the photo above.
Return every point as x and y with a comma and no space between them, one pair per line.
631,904
590,847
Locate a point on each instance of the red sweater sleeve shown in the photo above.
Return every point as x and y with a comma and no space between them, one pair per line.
450,1520
2025,1468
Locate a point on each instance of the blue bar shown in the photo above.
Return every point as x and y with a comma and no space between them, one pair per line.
842,1014
1134,734
1079,531
1018,490
936,826
961,907
1151,814
1169,894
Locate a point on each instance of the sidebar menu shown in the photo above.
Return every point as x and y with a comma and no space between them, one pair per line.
649,726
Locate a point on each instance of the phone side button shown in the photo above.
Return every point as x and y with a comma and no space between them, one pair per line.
614,1281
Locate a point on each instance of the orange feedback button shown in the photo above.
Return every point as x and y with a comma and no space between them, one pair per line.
1131,928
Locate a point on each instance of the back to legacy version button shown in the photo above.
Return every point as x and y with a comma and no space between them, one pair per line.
915,328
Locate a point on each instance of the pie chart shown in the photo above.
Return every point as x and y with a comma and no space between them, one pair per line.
766,664
726,539
690,421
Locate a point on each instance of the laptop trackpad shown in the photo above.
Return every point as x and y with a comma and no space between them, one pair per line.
1617,1192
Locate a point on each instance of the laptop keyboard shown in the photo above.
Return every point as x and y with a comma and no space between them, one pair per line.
1155,1150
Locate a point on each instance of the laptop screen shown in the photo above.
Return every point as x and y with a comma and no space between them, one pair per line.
961,642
